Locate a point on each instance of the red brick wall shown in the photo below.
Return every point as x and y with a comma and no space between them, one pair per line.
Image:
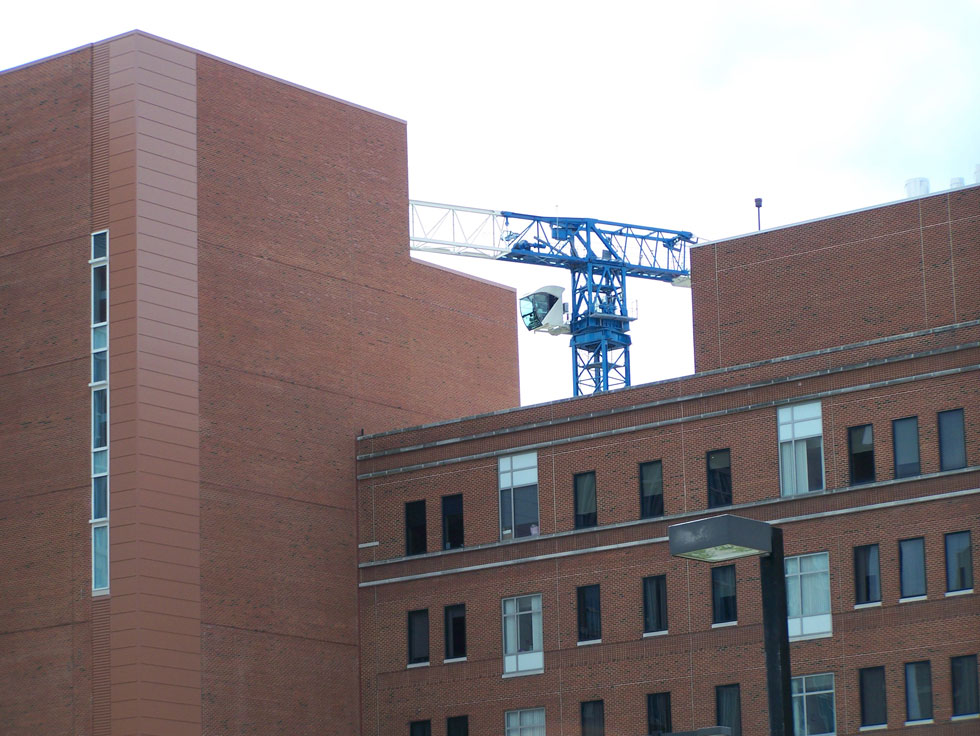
315,324
824,283
45,598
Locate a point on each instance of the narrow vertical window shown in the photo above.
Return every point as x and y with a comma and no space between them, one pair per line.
800,448
100,299
452,521
655,604
728,707
455,617
418,636
867,575
952,440
912,567
518,483
861,450
585,513
593,718
874,711
719,464
959,562
99,447
458,726
651,489
723,605
523,647
100,354
589,613
963,679
658,714
100,245
528,722
808,595
905,441
918,691
415,537
813,705
100,557
420,728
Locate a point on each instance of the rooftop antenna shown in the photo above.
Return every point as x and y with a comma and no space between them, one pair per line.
758,211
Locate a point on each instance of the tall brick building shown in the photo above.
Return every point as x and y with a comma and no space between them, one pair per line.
212,523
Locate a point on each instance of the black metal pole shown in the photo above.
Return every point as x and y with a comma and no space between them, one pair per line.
758,211
776,636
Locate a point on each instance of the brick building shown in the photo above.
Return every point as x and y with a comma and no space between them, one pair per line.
514,571
213,525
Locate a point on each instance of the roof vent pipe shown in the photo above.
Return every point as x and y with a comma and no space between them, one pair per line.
916,187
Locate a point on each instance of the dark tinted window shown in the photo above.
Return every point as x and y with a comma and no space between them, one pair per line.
420,728
867,575
593,718
418,636
655,603
723,594
912,564
658,714
905,439
415,528
452,521
719,478
963,677
918,691
873,709
860,442
589,614
728,708
959,561
100,242
952,445
458,726
585,514
99,299
651,489
455,631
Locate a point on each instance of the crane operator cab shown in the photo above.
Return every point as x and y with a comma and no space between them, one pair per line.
544,311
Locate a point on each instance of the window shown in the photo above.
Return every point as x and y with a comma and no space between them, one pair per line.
952,444
861,450
100,557
589,613
658,714
874,711
585,514
808,595
518,477
100,292
523,650
867,575
918,691
728,708
593,718
99,448
418,636
963,676
100,419
651,489
813,705
719,478
415,543
800,448
655,604
912,564
100,245
905,440
455,617
723,594
458,726
959,562
529,722
420,728
100,354
452,521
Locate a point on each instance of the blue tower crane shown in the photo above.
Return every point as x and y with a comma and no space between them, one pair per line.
600,255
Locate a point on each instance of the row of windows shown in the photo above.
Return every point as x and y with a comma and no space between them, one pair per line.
813,696
807,602
99,386
800,462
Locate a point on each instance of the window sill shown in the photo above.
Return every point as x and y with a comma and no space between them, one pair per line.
913,599
808,637
965,591
872,604
922,722
416,665
876,727
100,591
724,624
454,659
589,643
522,674
966,717
648,634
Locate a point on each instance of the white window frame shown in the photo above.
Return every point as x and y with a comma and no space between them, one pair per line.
796,424
806,626
529,729
517,662
99,524
801,698
517,471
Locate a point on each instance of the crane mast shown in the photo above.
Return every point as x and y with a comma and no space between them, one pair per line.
600,255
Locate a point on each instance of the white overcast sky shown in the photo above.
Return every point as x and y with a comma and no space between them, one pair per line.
667,114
